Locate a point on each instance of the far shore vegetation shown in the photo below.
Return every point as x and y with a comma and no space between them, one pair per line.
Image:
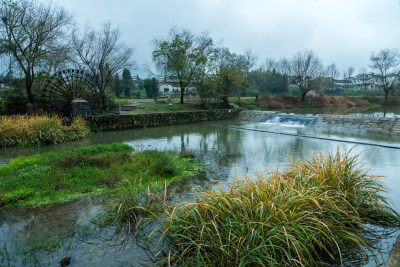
57,177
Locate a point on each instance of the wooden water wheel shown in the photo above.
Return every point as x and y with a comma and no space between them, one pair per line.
64,86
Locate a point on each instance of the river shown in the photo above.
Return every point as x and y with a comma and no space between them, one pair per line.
227,148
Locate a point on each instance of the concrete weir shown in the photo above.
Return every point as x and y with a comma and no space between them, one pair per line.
380,125
394,258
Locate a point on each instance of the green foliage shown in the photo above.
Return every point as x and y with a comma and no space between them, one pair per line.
140,82
263,82
183,56
315,211
116,85
151,87
39,130
13,101
62,176
127,83
109,97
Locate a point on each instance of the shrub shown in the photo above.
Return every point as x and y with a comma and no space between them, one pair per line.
313,212
13,101
39,130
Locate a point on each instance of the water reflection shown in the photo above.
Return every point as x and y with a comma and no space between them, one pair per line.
225,152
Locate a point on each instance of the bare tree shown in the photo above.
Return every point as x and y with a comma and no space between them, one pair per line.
244,63
386,63
346,77
332,73
32,32
364,79
183,56
302,69
102,52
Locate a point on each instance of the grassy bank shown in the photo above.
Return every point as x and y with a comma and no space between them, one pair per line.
62,176
315,211
39,130
280,102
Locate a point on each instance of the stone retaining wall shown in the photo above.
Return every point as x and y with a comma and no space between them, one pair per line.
118,122
369,124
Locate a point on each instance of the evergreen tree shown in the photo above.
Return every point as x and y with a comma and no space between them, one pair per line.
117,86
151,87
140,82
127,83
154,86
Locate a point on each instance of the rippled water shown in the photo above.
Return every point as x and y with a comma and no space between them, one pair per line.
226,151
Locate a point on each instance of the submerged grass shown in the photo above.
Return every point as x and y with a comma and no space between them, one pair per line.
62,176
39,130
308,214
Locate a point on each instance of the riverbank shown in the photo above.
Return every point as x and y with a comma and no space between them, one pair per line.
40,130
58,177
120,122
284,102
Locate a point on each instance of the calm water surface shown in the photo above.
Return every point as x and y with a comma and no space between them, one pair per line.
226,152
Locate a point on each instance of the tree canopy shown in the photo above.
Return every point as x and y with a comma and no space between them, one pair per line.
387,63
33,34
102,52
183,56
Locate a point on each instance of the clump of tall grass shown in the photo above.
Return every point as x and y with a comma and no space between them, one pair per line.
39,130
308,214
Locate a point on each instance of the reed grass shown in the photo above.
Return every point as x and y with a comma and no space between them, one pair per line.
39,130
310,213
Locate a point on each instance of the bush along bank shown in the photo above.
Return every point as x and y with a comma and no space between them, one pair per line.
57,177
40,130
315,211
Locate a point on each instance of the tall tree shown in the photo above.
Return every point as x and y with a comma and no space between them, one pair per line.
332,73
244,63
102,52
127,83
183,56
228,74
364,79
302,69
32,32
151,87
386,63
117,86
347,78
139,82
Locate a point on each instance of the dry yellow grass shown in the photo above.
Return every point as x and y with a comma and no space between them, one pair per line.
39,130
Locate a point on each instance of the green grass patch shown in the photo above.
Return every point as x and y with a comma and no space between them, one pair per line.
315,211
62,176
163,107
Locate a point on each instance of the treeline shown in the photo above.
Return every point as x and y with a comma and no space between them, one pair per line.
127,87
39,38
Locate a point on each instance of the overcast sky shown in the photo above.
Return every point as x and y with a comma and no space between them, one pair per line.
344,32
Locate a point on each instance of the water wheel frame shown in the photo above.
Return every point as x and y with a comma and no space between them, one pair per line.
64,86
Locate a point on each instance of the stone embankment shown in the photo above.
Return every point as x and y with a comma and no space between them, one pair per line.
254,115
119,122
380,125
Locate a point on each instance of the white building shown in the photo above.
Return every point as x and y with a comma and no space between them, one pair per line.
167,85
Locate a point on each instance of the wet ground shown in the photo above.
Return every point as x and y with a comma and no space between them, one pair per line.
227,148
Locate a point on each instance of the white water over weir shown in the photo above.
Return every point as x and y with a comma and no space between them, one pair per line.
291,120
